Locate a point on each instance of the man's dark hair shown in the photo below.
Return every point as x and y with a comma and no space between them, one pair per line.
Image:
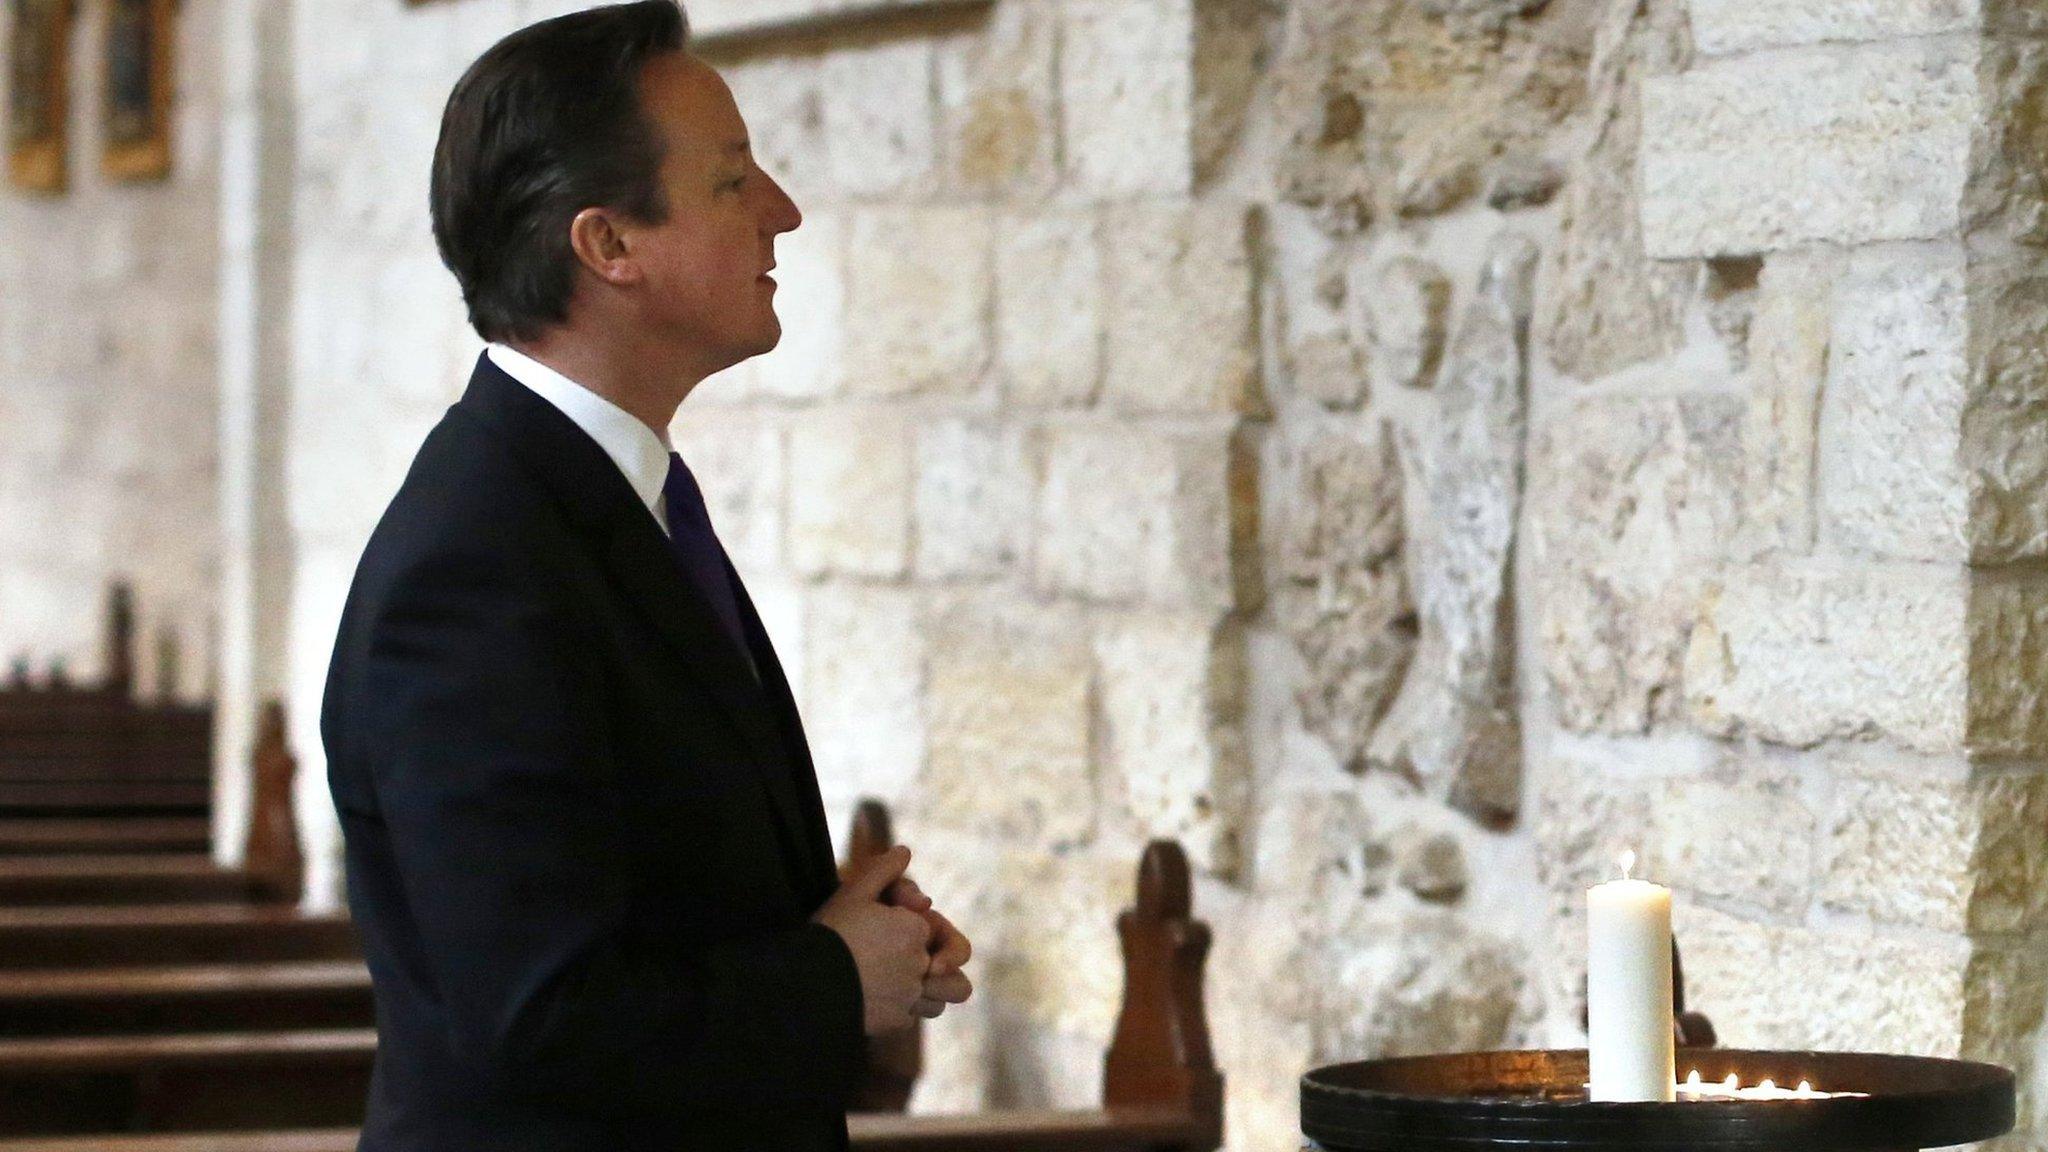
545,124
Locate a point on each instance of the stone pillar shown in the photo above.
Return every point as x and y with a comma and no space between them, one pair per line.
257,147
1864,855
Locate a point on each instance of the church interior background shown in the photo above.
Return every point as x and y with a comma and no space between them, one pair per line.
1405,450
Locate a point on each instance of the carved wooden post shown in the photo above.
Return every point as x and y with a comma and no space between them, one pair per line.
120,641
276,869
1160,1057
894,1061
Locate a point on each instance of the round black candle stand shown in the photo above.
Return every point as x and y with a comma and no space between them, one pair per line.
1474,1101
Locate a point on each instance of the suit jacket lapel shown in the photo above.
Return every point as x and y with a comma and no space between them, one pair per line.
599,501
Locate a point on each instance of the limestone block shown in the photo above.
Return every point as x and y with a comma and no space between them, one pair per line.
1743,833
1153,93
880,127
2005,419
998,104
1049,307
1633,501
1130,515
1330,370
739,463
864,682
1009,723
849,493
2008,638
1800,653
1179,313
1172,692
1407,307
781,100
1610,305
919,283
1952,855
1789,345
1345,602
1455,726
973,496
1127,96
1404,984
1771,986
1891,473
1392,108
1724,27
1430,864
1845,146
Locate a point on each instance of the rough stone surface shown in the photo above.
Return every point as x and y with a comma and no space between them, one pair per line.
1454,727
1392,108
1724,27
1891,473
1009,723
1071,979
1127,96
729,17
1414,983
1180,329
1329,369
850,493
973,498
1957,856
1049,315
2005,419
997,104
1848,147
1172,696
1744,833
1407,308
1884,993
1611,306
908,330
2008,638
879,129
1789,347
1430,864
1633,499
1346,602
1798,654
864,682
1166,519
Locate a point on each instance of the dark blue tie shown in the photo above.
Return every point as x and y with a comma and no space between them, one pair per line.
698,552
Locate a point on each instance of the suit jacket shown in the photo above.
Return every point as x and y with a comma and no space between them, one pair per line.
583,841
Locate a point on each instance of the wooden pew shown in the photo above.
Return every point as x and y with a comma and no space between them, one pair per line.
168,935
319,994
96,750
1161,1090
102,835
79,878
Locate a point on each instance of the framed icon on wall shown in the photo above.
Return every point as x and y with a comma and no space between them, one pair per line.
136,121
38,60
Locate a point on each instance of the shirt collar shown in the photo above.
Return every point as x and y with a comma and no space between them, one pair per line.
642,456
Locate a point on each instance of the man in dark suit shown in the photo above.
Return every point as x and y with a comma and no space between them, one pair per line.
586,852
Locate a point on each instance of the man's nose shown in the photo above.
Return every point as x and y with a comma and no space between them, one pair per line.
783,214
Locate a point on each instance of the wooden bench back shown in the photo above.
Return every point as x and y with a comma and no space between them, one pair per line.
68,749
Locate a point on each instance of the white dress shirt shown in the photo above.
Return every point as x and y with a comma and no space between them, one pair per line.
641,455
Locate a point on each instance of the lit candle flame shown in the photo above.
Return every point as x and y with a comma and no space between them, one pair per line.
1732,1082
1805,1088
1768,1085
1628,864
1692,1079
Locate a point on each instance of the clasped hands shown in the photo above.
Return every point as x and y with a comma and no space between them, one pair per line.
908,954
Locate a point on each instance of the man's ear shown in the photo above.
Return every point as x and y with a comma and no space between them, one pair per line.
602,248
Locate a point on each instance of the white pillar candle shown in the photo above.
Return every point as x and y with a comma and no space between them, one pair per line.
1628,990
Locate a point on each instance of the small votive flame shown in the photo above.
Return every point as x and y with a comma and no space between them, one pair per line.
1805,1088
1692,1080
1627,861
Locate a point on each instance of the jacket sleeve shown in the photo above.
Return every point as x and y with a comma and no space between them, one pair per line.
496,791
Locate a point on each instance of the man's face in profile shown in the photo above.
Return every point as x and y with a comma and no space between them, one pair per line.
707,266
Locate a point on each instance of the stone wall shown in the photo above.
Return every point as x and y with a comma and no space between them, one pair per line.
1409,450
107,353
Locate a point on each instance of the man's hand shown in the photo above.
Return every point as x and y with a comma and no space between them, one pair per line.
891,946
945,983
